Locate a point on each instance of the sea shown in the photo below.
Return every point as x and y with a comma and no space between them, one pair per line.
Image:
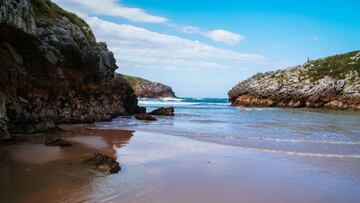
297,132
210,151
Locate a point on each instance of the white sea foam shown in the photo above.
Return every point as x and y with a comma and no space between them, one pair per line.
142,102
287,140
293,153
253,108
180,102
207,119
171,99
304,153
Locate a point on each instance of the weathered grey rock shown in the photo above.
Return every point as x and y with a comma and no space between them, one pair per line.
15,56
50,56
163,111
145,117
4,134
104,163
53,70
149,89
19,15
107,57
332,82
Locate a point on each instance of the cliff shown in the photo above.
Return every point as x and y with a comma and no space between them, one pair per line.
146,88
53,70
331,82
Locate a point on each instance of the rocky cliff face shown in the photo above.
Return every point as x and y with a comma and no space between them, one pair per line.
52,70
331,82
149,89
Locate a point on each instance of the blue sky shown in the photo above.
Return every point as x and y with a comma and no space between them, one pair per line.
202,48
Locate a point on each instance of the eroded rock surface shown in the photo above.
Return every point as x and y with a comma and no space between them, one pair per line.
331,82
163,111
145,117
149,89
104,163
4,134
53,70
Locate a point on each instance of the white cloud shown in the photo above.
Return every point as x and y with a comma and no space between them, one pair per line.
137,47
187,29
225,36
115,9
110,8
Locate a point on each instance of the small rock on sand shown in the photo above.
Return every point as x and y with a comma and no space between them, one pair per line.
104,163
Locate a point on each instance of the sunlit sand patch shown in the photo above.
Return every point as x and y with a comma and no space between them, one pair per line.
94,142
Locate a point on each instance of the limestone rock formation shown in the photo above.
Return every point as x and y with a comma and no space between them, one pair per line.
331,82
52,70
148,89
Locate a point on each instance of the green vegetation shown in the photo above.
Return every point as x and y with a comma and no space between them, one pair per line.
50,12
334,66
282,78
131,79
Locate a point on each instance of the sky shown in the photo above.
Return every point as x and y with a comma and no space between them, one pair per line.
202,48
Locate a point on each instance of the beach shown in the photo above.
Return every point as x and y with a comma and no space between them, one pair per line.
164,168
208,152
183,102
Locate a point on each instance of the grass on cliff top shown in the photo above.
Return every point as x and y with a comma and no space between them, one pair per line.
131,79
50,11
334,66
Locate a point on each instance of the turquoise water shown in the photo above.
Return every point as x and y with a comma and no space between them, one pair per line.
302,132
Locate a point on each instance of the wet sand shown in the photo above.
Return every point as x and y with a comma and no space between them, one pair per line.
162,168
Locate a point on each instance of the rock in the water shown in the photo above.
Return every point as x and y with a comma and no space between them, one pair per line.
331,82
141,109
149,89
104,163
50,141
163,111
145,117
53,71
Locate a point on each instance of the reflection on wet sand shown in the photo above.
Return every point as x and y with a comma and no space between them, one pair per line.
32,172
161,169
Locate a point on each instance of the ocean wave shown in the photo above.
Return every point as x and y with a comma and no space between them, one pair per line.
180,103
161,99
223,141
285,140
308,154
168,103
184,101
254,108
172,99
278,151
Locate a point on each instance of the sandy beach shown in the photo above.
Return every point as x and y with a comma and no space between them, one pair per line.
120,101
163,168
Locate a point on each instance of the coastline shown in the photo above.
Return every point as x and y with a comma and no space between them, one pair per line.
339,104
164,168
74,129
